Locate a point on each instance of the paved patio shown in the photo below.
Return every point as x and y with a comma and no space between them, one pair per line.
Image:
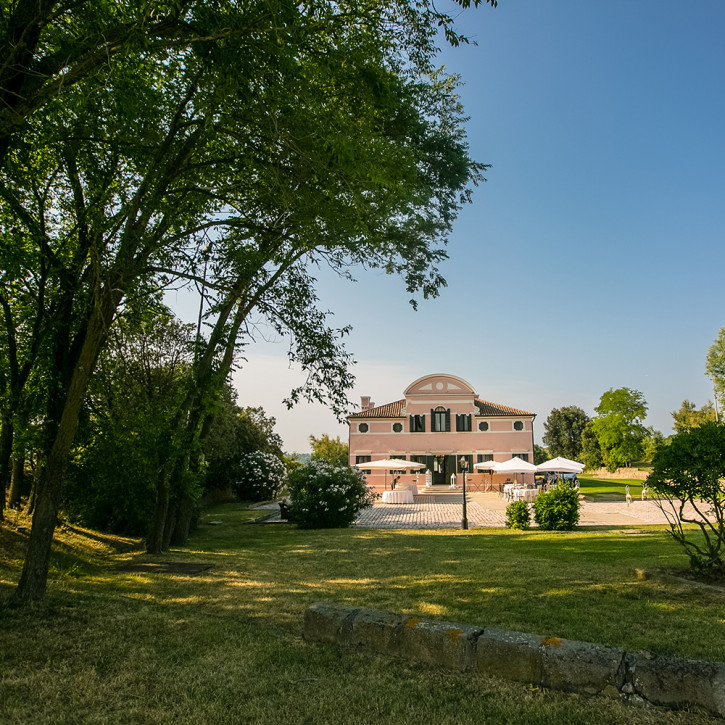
442,510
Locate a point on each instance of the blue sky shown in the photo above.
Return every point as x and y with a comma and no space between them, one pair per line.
592,257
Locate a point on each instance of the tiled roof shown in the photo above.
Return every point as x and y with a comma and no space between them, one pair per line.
493,409
393,410
389,410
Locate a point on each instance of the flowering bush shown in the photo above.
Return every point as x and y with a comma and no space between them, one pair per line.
517,515
557,509
326,496
260,478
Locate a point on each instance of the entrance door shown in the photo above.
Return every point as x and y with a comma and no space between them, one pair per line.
443,466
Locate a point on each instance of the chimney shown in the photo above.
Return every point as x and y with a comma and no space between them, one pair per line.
365,402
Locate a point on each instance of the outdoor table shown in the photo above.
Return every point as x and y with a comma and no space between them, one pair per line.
397,496
525,494
508,490
407,487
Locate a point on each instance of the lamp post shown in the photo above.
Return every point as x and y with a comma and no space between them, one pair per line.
463,465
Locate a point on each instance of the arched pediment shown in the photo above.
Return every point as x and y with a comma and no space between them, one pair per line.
440,384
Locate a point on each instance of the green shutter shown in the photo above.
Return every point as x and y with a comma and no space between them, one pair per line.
422,420
448,420
432,420
469,422
410,424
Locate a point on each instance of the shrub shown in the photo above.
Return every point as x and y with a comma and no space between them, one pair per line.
690,471
326,496
260,477
557,509
517,515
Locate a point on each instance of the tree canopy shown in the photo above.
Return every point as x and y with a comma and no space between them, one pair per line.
715,365
619,426
332,450
564,428
234,147
689,416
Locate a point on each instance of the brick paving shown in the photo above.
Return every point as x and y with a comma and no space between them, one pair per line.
443,511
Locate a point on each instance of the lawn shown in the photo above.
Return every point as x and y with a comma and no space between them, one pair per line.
226,646
609,489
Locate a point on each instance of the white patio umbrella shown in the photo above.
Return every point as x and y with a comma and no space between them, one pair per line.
489,466
390,464
560,465
515,465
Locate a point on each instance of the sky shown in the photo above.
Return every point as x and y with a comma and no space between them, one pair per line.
592,256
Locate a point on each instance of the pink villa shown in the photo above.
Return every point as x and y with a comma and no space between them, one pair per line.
440,419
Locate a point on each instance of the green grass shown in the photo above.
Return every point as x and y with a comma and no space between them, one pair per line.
114,647
609,489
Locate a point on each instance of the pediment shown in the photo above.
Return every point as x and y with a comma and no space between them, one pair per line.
440,384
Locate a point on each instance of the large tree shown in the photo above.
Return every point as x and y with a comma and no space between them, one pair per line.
689,416
332,450
619,426
715,366
322,135
564,428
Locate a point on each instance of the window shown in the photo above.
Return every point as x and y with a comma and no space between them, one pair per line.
398,456
522,456
518,425
363,459
483,425
417,424
363,428
463,422
440,419
483,457
397,427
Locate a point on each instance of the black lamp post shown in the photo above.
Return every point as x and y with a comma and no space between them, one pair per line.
463,465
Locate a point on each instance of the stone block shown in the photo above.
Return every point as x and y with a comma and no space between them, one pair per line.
440,643
377,631
328,622
512,655
592,669
678,683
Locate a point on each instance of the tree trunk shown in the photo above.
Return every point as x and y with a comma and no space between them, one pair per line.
16,480
155,537
34,577
6,447
169,524
30,504
185,512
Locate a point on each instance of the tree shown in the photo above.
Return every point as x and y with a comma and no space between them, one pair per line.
564,428
591,454
619,426
332,450
715,366
652,442
322,135
540,454
689,417
687,477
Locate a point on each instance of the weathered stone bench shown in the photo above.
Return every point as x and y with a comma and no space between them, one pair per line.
561,664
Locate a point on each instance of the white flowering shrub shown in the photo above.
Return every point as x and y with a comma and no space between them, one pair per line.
260,478
324,496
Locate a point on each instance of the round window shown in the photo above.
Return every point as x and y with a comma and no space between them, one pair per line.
518,425
483,425
363,428
397,427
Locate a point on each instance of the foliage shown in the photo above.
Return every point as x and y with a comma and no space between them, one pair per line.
653,441
233,432
326,496
518,515
715,365
260,477
591,453
558,508
540,454
689,472
126,427
332,450
564,428
689,417
278,138
619,426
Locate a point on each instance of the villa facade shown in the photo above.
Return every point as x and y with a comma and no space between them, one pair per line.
440,420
